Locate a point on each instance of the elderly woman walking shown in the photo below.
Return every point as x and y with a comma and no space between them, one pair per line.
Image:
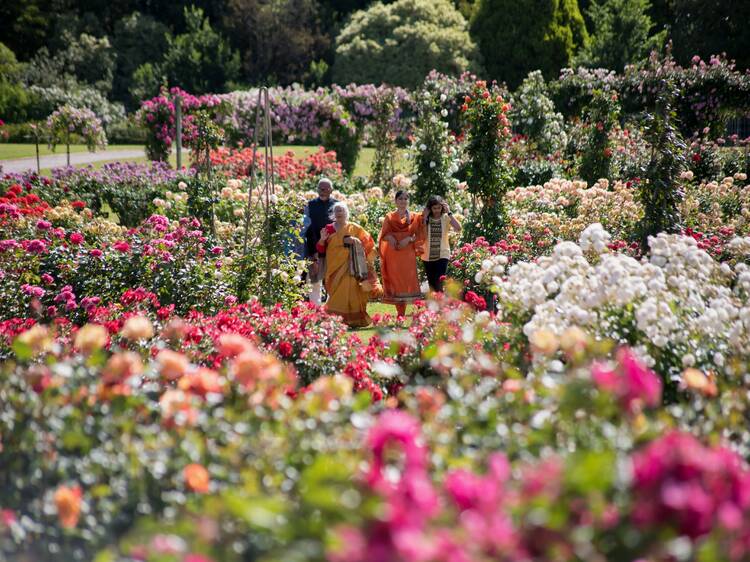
350,274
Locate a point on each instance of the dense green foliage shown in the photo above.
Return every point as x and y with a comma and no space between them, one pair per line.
621,34
664,193
517,37
400,43
13,96
200,60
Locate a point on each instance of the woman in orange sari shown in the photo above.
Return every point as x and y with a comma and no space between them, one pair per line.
350,273
398,256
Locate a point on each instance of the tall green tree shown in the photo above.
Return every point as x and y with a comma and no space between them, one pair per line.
86,60
138,39
25,26
711,27
200,60
279,39
14,98
518,37
622,34
400,43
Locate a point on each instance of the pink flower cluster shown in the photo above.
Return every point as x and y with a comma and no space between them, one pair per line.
682,484
630,381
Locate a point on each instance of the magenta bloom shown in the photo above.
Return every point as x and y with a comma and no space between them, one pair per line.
42,224
76,238
33,290
631,381
121,246
36,246
680,483
96,253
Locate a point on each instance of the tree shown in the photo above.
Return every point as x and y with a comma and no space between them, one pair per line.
200,60
25,26
518,37
86,60
281,39
13,96
138,39
711,27
622,34
400,43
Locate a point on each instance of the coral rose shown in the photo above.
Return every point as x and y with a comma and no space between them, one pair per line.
173,364
197,478
68,504
121,366
231,345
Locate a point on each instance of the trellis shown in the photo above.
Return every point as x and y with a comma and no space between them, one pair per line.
265,202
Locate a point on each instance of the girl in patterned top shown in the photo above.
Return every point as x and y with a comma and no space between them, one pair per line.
435,223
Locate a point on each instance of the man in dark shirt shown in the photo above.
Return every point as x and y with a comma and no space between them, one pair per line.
319,210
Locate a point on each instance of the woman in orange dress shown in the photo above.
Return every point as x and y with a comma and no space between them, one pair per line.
398,256
350,273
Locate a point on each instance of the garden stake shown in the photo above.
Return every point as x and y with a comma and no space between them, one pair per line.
178,129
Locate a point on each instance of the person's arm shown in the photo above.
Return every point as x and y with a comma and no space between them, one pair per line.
453,222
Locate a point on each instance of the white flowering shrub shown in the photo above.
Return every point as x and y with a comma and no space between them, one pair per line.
432,153
677,306
533,114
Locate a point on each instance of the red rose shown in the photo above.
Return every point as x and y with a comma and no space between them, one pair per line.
285,349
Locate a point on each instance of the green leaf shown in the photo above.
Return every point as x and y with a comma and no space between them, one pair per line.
261,513
590,471
75,440
22,350
362,401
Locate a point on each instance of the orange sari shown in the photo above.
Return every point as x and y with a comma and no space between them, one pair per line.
399,267
347,296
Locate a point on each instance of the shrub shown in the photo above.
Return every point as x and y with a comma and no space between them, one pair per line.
488,174
601,118
518,37
400,43
621,34
433,157
533,115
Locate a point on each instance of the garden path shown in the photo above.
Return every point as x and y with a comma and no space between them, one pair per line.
58,160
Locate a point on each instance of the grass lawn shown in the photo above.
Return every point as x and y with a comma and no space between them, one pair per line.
378,308
13,151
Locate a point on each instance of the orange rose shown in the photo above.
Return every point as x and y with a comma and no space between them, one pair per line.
121,366
68,503
197,478
177,409
202,381
173,364
231,345
700,382
248,367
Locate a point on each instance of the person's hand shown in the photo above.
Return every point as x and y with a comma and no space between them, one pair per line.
446,210
405,242
324,234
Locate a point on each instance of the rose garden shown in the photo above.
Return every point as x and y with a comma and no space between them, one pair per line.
580,390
